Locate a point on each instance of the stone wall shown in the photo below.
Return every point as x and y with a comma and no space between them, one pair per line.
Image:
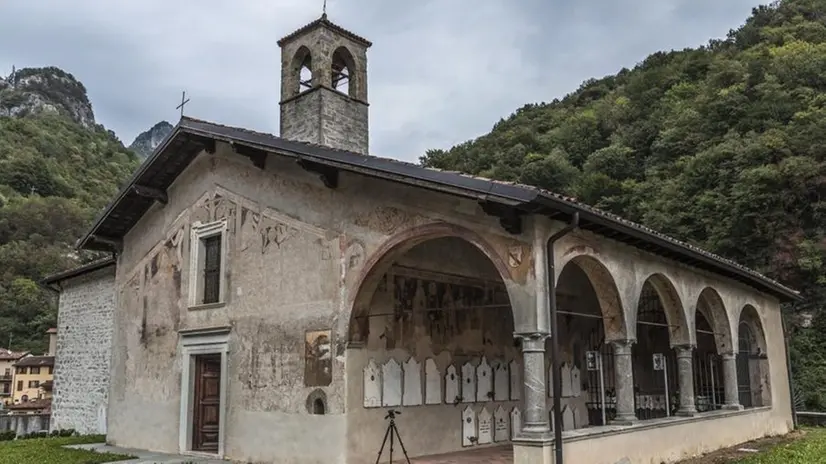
84,344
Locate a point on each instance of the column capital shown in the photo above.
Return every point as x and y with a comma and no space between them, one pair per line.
731,356
532,341
684,349
622,347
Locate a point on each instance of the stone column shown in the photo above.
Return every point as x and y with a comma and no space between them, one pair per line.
730,382
685,378
535,416
624,382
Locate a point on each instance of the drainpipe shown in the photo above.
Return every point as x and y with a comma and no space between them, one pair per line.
557,381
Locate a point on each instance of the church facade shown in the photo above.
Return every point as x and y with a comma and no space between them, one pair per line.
274,297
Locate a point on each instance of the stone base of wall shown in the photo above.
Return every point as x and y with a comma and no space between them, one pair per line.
25,423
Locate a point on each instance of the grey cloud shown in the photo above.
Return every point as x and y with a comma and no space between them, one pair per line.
441,72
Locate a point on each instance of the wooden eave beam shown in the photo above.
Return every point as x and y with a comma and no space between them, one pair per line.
509,218
115,243
258,157
327,174
151,192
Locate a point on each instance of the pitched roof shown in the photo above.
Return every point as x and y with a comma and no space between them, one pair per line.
77,271
35,361
6,355
191,136
32,404
324,22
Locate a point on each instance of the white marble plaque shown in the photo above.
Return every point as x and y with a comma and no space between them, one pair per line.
432,383
484,383
468,383
516,422
567,418
516,383
485,427
580,417
469,436
451,385
501,381
576,383
372,385
412,395
501,427
391,386
565,377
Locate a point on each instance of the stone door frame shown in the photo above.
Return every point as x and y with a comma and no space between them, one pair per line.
191,344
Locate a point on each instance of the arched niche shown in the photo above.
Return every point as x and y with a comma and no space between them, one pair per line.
344,75
377,266
753,378
710,305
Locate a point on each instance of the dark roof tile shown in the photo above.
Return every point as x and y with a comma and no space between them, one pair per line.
323,21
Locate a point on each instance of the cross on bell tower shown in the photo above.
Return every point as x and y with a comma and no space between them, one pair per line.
324,86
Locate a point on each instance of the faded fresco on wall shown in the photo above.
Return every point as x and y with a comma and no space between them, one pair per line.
318,358
444,307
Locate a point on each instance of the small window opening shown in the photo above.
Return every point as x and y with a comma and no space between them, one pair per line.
212,269
318,406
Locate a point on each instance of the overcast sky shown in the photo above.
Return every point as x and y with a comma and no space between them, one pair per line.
440,71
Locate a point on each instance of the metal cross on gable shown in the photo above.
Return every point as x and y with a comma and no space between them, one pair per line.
184,101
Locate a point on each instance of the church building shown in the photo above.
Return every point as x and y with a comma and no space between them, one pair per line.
271,298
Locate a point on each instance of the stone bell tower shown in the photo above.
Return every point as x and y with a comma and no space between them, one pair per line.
324,86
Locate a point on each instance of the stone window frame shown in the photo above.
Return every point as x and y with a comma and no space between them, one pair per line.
198,233
193,343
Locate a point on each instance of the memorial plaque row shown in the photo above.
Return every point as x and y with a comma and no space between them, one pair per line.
392,384
482,429
570,378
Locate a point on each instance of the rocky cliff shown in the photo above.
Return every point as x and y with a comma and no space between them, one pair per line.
52,90
145,143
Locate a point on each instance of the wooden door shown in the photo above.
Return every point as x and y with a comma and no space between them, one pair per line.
207,404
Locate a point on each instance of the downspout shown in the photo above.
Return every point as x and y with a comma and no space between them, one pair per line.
556,380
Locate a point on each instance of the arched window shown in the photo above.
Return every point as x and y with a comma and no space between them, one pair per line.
342,71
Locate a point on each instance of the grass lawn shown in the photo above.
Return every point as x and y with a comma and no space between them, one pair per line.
51,451
808,449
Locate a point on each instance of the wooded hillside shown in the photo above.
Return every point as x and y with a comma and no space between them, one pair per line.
57,171
722,146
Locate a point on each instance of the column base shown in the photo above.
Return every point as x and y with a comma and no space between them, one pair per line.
529,451
686,412
624,420
733,407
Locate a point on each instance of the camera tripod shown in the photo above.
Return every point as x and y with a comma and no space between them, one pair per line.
391,431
